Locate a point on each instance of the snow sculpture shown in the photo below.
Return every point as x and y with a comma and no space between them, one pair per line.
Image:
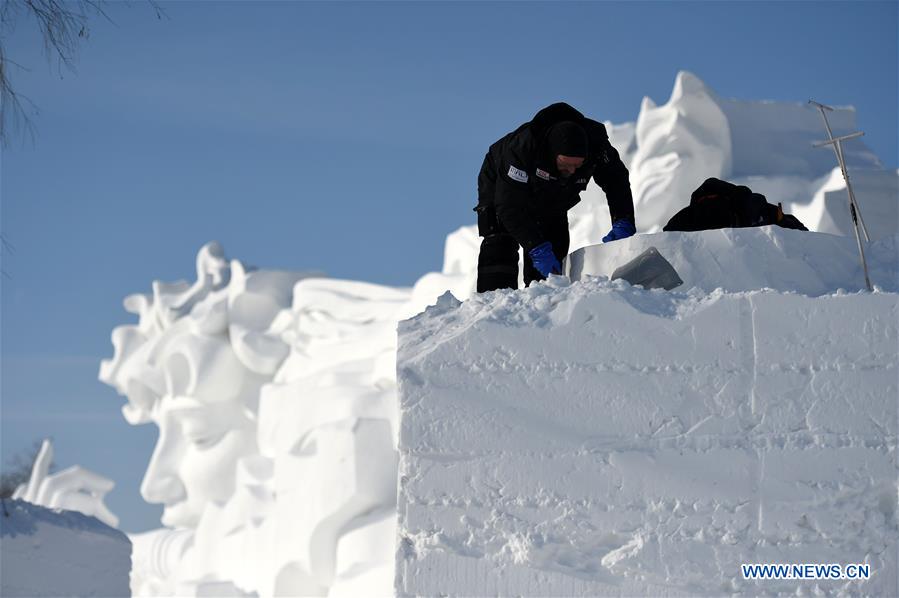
679,145
184,374
696,134
275,392
194,365
158,561
72,489
274,395
326,464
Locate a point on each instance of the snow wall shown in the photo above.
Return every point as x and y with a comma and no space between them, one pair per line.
600,439
745,259
55,553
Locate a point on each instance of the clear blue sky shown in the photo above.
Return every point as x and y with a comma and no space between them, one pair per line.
338,137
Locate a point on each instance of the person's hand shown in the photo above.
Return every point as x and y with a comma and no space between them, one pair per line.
544,259
621,229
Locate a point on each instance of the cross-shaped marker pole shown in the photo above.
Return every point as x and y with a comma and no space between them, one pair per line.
858,223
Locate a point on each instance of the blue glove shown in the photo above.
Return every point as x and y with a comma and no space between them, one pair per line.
544,259
621,229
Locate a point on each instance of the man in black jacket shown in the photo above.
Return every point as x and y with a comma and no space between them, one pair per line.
530,179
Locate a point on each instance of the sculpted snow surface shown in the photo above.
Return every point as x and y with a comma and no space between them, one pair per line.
599,439
744,259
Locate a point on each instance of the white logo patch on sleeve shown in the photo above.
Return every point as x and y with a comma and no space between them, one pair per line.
517,175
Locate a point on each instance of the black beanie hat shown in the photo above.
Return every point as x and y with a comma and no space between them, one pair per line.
566,138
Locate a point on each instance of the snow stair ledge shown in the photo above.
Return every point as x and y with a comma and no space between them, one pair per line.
600,439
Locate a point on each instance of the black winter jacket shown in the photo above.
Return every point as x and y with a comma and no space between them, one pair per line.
520,181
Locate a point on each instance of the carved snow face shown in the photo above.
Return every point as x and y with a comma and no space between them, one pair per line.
205,427
195,456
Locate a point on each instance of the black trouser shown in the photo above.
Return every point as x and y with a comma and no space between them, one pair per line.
498,259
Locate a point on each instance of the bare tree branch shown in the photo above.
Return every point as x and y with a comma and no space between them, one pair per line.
63,25
14,108
5,247
18,470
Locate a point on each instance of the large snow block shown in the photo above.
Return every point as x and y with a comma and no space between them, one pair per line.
49,552
601,439
745,259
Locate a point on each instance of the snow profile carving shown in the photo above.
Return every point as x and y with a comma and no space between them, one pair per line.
179,370
275,398
688,135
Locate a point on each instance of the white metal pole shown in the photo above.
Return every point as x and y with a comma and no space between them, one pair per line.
838,149
854,210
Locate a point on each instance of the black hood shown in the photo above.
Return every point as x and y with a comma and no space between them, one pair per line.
544,123
552,114
567,139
